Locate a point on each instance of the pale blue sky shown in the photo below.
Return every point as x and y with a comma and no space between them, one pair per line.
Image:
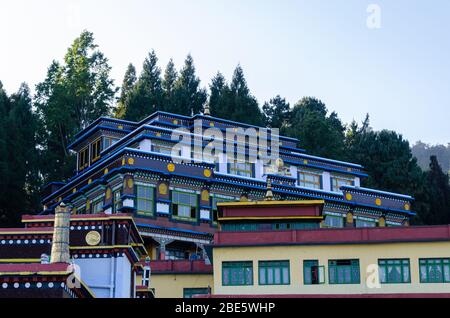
399,74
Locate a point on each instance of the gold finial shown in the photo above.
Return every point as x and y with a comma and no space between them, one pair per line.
206,110
60,244
269,193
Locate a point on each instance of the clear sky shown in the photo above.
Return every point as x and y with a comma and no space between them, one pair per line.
398,73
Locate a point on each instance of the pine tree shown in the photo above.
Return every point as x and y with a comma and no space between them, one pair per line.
218,87
189,97
129,81
234,101
168,84
20,182
147,95
438,187
276,112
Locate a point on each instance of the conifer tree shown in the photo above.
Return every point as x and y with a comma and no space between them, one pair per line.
168,84
276,112
147,95
128,84
189,97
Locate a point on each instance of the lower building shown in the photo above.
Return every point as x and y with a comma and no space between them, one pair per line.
271,249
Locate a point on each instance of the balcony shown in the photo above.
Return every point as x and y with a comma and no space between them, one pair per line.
180,267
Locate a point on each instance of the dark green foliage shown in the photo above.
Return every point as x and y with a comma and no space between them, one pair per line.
73,95
128,83
438,195
168,84
19,173
318,133
276,112
146,97
234,101
189,98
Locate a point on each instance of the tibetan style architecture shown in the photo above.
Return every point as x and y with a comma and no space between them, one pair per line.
275,249
73,256
134,168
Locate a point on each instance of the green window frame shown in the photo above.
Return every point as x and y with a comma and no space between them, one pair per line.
313,274
190,292
184,205
145,200
434,270
394,271
274,273
344,272
237,273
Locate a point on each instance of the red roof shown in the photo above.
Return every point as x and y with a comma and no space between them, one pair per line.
180,266
33,268
336,236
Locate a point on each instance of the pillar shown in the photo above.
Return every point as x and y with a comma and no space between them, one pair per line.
60,243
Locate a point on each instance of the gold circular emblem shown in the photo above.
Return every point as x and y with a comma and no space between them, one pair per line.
305,162
211,124
162,189
158,134
89,181
407,207
105,171
93,238
378,201
175,122
171,167
348,196
131,161
120,127
207,173
74,190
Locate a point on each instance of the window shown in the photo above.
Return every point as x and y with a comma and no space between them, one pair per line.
310,179
83,158
146,276
184,205
313,274
364,223
334,221
237,273
176,254
97,206
109,141
274,273
394,271
343,272
164,148
117,201
244,169
435,270
338,181
189,292
145,200
95,150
